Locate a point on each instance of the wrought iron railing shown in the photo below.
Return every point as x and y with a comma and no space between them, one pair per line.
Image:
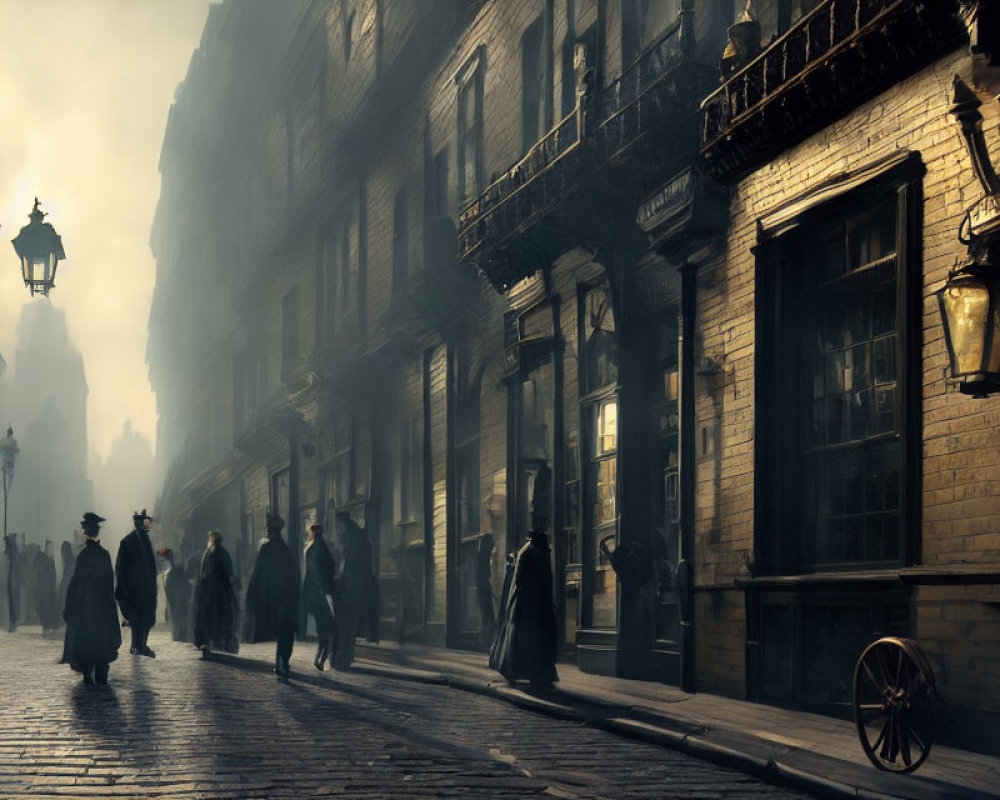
625,103
830,26
475,220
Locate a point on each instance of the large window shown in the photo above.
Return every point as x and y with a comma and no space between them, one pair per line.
833,459
536,81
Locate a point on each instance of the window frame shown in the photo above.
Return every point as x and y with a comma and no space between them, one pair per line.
778,529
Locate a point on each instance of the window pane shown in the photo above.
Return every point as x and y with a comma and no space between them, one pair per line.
858,413
884,311
874,478
604,494
884,358
853,482
885,410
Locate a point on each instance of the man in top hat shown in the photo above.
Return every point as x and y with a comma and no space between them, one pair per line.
273,595
93,635
135,572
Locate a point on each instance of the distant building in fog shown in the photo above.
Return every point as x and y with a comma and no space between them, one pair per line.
44,397
125,482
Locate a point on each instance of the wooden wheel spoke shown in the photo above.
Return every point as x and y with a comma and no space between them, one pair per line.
871,677
883,668
916,737
886,737
902,733
899,667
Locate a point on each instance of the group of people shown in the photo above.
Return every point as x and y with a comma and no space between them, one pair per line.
337,600
31,593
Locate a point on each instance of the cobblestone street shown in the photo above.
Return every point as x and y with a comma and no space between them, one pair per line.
178,726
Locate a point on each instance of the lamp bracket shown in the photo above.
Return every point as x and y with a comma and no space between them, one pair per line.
965,108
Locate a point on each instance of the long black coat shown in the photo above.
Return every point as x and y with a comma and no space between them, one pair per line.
44,591
217,612
527,646
318,583
178,592
68,562
273,593
135,571
93,634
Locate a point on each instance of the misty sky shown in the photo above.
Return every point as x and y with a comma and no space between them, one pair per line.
84,97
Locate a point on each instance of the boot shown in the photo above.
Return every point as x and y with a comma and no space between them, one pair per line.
101,674
321,652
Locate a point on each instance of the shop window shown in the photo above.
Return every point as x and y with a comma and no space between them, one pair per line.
833,383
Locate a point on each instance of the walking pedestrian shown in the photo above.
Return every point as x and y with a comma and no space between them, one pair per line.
318,585
93,635
43,589
12,581
351,599
178,592
135,572
217,612
273,595
68,558
527,645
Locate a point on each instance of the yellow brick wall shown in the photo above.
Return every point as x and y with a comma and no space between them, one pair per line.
961,436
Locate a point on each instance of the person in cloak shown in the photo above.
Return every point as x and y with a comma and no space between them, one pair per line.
319,582
93,635
12,581
353,586
527,649
178,592
44,589
273,595
68,558
135,572
217,611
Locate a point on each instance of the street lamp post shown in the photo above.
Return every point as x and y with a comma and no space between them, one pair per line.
40,249
8,450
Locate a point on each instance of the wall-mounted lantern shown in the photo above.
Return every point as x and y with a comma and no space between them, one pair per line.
40,249
970,299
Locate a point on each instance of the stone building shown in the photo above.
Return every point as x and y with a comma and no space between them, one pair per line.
467,268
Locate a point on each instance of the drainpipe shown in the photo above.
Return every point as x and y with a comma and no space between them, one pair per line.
686,477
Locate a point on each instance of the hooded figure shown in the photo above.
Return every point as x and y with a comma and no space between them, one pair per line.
217,610
68,558
93,635
526,643
178,592
135,571
11,583
273,595
43,589
318,583
351,599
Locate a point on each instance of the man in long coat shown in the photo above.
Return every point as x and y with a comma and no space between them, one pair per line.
43,589
527,645
216,620
273,596
135,572
318,583
351,599
178,592
68,563
93,634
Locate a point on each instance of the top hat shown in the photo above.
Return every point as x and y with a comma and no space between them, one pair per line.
91,521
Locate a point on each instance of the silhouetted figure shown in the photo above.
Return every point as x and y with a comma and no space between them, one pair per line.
12,580
43,589
26,579
68,558
273,596
350,602
178,592
484,589
318,585
527,646
217,610
192,570
93,635
135,571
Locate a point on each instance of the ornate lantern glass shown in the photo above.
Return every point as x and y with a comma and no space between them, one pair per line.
40,249
969,311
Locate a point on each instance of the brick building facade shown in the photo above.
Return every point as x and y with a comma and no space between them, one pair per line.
465,268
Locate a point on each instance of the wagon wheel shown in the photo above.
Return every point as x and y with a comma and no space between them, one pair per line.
893,704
